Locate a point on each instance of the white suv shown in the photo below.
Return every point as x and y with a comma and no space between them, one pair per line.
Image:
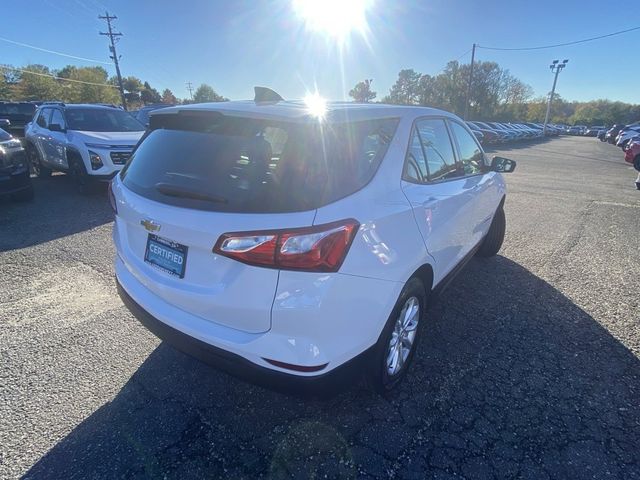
295,245
91,142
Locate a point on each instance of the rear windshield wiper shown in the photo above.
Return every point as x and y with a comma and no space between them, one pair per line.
176,191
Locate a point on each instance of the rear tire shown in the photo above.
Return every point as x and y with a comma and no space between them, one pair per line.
25,195
36,162
494,238
399,339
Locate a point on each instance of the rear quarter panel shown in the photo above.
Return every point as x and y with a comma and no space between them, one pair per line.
388,245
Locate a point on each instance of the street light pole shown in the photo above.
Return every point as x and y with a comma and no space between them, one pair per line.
555,67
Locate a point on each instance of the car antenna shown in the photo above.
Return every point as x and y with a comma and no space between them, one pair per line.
264,94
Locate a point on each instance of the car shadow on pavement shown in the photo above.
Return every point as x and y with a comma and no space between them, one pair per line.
512,379
57,210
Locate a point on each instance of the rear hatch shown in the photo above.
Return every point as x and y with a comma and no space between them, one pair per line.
196,177
195,280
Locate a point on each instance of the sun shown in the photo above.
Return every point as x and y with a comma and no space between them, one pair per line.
334,18
316,105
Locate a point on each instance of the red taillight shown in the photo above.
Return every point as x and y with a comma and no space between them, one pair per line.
112,198
321,248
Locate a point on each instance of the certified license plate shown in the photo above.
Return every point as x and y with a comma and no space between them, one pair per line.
169,256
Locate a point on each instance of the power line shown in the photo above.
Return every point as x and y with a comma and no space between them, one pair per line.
56,77
190,88
463,55
53,51
563,44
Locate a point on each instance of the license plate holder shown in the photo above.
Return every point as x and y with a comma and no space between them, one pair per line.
167,255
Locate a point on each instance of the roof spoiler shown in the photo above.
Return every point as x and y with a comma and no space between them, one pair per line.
264,94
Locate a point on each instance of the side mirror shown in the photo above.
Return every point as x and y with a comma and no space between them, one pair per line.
4,122
56,127
503,165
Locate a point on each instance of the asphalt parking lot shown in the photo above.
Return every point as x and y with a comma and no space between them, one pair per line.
529,368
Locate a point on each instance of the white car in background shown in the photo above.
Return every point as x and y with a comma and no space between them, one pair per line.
89,141
626,135
299,244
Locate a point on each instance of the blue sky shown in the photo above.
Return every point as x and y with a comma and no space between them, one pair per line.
236,44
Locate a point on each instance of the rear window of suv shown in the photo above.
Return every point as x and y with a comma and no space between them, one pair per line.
25,110
243,165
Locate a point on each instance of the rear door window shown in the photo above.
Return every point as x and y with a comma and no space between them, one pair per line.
231,164
415,169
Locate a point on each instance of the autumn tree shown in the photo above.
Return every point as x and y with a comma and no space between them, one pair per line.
149,95
362,92
206,93
406,89
87,85
36,83
168,97
132,88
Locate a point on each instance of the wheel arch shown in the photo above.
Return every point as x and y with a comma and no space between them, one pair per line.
425,274
28,143
73,153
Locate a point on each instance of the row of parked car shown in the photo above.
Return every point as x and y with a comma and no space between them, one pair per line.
620,135
626,137
492,133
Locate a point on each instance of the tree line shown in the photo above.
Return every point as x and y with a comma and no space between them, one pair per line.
73,84
496,95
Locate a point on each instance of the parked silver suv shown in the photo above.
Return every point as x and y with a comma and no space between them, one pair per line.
91,142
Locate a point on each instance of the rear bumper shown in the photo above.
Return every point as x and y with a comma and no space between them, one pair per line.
321,385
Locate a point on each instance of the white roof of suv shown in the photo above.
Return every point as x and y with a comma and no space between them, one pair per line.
299,110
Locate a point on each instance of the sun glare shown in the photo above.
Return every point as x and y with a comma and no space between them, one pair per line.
316,105
335,18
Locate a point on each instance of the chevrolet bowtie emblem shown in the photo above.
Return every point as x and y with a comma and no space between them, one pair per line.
150,225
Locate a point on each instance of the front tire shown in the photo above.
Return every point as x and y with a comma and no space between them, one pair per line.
398,341
494,238
79,175
36,163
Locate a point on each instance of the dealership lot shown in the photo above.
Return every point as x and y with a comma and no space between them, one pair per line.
530,366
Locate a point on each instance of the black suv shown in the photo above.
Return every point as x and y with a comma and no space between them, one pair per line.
15,178
18,114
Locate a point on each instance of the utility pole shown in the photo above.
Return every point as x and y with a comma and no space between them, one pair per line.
114,56
468,99
556,67
190,88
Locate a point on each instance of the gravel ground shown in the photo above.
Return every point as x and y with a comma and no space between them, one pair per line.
529,367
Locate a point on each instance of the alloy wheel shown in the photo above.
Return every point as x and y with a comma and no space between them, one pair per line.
403,336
